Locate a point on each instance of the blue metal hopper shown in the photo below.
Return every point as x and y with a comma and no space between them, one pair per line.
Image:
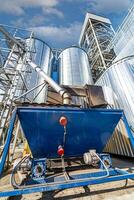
86,129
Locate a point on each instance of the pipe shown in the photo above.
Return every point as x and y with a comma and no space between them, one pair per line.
64,94
15,168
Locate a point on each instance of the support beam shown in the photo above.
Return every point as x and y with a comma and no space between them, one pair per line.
12,39
8,140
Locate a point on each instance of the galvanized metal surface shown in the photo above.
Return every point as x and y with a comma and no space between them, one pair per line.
74,68
42,56
95,37
66,98
95,18
127,50
123,41
120,78
13,75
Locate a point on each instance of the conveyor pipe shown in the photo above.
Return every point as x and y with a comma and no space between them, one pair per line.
64,94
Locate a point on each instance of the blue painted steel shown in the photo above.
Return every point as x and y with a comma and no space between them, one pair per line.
121,171
105,159
39,168
86,129
8,140
77,180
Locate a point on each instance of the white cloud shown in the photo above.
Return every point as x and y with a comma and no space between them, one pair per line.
11,7
59,36
17,7
109,6
19,23
34,21
53,11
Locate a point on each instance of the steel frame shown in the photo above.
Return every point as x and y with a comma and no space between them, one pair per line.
56,183
77,181
95,40
14,73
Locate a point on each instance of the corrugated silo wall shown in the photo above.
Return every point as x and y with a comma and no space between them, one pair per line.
41,54
74,70
120,77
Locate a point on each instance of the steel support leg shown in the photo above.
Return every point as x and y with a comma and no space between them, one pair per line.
8,140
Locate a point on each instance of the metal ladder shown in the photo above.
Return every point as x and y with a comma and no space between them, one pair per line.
13,60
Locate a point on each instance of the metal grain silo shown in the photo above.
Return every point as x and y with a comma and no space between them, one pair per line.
120,78
74,70
41,54
74,67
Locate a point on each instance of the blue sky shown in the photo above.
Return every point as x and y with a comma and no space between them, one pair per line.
59,22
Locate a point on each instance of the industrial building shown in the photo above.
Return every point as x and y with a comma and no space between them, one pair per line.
75,121
115,74
96,34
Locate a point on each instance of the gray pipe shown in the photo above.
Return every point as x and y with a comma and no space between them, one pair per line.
64,94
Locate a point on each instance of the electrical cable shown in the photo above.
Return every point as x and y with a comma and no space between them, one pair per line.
12,177
102,164
15,185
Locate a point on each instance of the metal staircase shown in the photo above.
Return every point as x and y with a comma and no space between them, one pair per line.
12,82
13,73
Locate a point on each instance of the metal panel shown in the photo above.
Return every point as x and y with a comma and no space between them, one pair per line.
127,50
74,68
42,56
123,40
120,78
88,96
44,132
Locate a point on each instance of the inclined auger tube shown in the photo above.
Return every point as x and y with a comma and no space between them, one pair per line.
64,94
